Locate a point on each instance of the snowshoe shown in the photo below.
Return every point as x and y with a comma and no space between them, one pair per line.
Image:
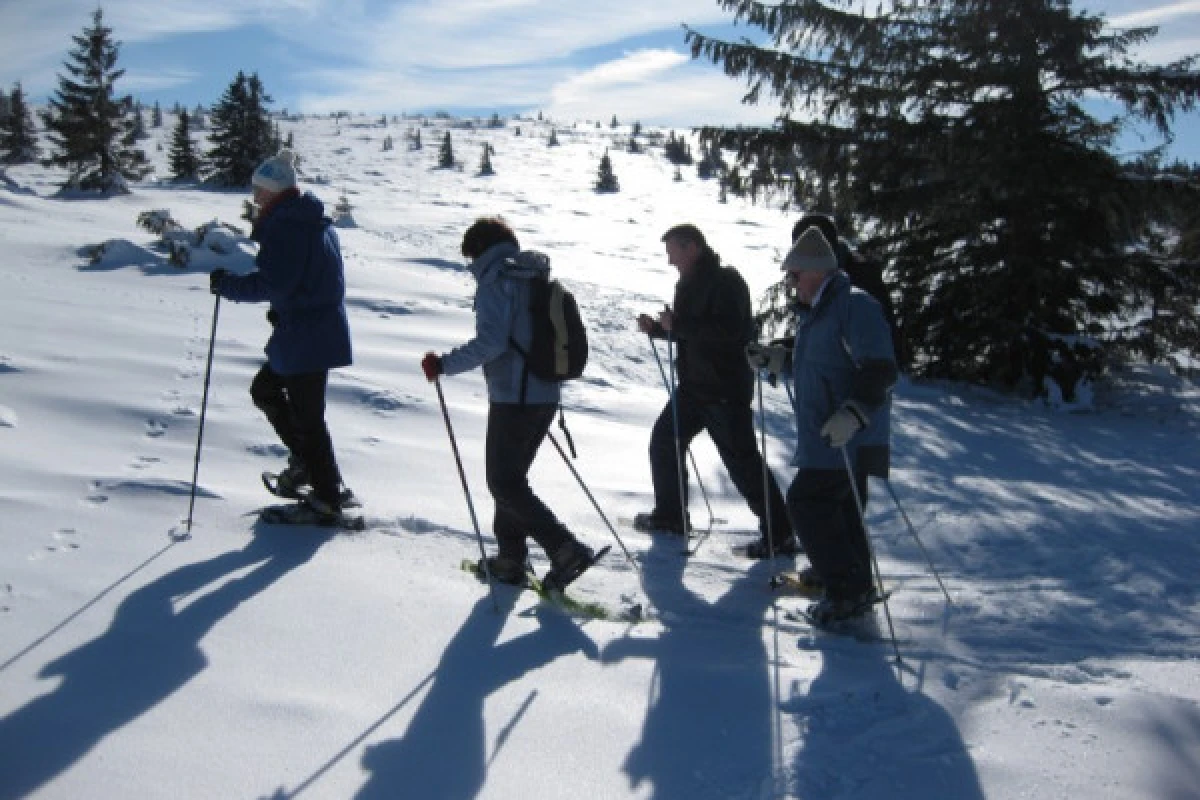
762,550
831,614
279,485
568,563
653,522
311,511
804,583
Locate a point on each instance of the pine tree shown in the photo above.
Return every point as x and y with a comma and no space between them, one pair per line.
93,132
677,150
198,115
416,139
242,132
485,163
18,139
606,181
955,133
614,122
156,116
553,140
446,153
185,163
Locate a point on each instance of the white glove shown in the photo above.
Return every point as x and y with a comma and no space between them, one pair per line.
767,357
841,427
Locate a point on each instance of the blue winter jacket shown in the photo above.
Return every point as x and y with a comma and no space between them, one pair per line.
300,274
843,355
502,311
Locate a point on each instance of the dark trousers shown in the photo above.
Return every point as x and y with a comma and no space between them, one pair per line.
731,427
831,530
295,407
514,434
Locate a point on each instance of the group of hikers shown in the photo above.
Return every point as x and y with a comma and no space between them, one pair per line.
840,368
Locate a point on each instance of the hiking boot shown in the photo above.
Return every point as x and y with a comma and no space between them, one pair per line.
654,522
505,570
293,479
761,549
567,563
832,610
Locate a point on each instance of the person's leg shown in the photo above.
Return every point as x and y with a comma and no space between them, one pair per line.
514,435
819,501
665,458
306,399
731,427
269,395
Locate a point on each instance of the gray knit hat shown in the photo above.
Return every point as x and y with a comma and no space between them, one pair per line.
276,173
811,253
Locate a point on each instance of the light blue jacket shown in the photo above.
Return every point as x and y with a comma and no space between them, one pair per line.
502,311
843,355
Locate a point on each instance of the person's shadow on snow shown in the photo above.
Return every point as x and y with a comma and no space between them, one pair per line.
444,751
708,728
868,736
150,650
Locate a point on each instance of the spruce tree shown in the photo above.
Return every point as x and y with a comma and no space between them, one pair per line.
552,141
197,121
446,153
485,163
156,119
18,139
955,134
93,132
185,163
241,132
606,180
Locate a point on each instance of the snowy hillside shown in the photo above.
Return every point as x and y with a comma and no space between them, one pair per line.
257,662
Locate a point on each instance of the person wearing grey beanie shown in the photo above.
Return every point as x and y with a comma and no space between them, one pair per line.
843,371
299,271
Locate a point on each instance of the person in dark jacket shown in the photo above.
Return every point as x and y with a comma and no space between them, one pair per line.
520,406
712,322
843,371
300,273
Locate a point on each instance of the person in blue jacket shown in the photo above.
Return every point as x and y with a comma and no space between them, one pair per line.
521,406
843,371
300,273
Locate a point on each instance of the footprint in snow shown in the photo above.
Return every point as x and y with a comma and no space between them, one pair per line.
155,428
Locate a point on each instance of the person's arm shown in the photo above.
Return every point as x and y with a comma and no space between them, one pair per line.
494,303
280,269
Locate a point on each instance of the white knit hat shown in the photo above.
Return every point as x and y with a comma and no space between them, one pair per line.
277,173
811,253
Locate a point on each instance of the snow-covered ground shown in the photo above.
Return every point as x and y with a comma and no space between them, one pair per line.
255,662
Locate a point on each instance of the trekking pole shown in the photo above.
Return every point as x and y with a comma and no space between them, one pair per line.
862,518
462,476
762,426
212,341
683,503
921,545
636,568
666,385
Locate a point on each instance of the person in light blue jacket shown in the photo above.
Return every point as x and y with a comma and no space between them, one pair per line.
843,371
521,406
299,271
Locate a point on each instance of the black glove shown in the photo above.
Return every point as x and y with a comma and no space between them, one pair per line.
272,317
214,279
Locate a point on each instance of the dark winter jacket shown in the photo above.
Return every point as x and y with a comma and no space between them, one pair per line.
501,317
713,323
843,354
300,273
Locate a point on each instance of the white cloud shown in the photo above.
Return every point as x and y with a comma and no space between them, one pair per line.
659,87
134,81
1155,16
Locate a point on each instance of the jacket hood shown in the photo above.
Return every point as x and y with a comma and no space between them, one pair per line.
305,208
506,259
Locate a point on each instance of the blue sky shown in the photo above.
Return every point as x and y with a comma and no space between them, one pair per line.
569,58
